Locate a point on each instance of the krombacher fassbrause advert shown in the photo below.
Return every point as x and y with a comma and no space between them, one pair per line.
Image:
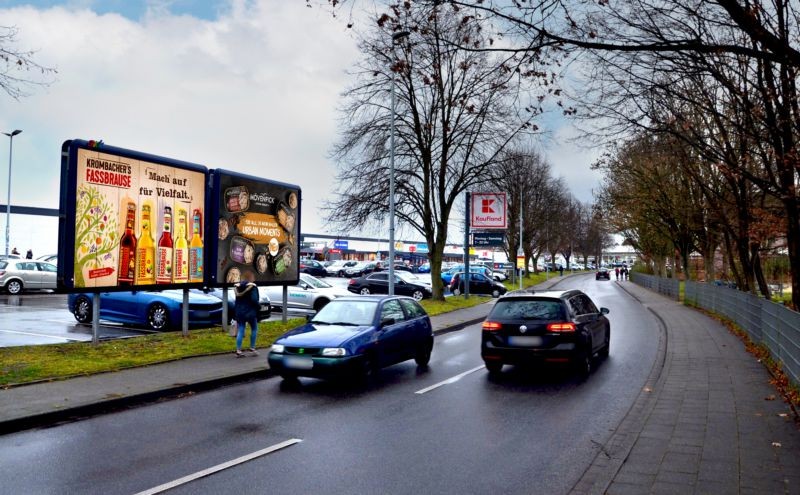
138,219
257,229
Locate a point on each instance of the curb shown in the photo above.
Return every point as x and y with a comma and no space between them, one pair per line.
112,405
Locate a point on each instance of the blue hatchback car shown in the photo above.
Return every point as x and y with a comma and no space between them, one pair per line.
157,310
355,336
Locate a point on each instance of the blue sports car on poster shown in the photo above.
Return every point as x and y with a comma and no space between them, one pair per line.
355,336
156,310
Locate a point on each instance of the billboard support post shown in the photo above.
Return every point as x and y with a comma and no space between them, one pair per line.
185,313
95,318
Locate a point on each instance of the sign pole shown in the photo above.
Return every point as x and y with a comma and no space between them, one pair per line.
466,247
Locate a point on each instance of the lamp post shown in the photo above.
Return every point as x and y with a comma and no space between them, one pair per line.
395,37
8,197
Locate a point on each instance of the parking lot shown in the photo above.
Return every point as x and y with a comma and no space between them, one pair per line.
42,317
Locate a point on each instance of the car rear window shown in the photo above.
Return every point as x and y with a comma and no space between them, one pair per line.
528,309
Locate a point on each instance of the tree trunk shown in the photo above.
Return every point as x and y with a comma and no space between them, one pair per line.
758,271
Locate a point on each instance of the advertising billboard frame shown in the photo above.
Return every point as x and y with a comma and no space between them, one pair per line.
223,192
68,214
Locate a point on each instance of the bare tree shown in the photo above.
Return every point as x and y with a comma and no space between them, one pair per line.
18,70
456,112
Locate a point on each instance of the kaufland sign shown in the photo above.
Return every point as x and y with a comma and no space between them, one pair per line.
488,211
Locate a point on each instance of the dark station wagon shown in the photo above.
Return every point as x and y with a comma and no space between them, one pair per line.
552,327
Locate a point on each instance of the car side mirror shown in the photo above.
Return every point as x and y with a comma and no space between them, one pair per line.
388,321
604,311
309,317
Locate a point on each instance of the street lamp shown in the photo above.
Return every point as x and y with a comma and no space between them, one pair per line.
8,197
395,37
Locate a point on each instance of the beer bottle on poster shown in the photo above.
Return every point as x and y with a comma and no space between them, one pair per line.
127,248
196,248
145,251
164,250
181,253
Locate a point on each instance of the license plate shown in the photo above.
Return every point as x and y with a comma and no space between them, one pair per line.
298,363
202,314
525,341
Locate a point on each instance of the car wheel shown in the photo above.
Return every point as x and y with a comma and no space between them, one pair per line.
364,291
83,310
157,317
607,347
583,364
494,367
14,286
456,291
423,355
340,274
320,303
418,295
495,293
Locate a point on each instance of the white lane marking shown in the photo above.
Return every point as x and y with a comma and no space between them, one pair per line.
33,334
449,380
219,467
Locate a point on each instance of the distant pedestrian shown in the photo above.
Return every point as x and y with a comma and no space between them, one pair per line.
246,311
616,272
14,251
29,254
561,270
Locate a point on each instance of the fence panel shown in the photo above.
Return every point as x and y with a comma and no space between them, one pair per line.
773,325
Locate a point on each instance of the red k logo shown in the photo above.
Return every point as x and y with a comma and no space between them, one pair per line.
486,206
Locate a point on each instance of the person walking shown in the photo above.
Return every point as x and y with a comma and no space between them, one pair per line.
246,312
616,272
29,254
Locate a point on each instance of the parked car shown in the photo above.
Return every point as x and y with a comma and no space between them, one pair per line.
336,269
478,284
362,268
355,336
310,293
312,267
602,272
378,283
264,302
424,268
447,276
155,310
17,275
550,327
49,258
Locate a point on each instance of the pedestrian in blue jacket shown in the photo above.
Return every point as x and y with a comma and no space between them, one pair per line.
246,311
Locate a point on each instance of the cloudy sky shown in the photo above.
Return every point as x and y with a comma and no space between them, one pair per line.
249,86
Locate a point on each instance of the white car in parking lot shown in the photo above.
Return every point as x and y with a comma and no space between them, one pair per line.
310,293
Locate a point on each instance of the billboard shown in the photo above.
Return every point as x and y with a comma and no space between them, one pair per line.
130,220
488,211
257,225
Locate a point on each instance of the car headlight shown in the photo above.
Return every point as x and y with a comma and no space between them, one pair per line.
334,352
277,347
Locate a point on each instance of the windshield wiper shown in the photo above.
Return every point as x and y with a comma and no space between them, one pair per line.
349,323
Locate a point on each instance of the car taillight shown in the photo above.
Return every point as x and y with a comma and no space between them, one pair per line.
561,327
351,282
2,273
491,326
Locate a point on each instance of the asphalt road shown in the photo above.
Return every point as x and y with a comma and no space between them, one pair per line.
447,429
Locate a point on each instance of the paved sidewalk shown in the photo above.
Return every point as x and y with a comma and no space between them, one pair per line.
707,421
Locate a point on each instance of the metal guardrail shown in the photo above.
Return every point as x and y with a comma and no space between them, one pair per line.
670,287
773,325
